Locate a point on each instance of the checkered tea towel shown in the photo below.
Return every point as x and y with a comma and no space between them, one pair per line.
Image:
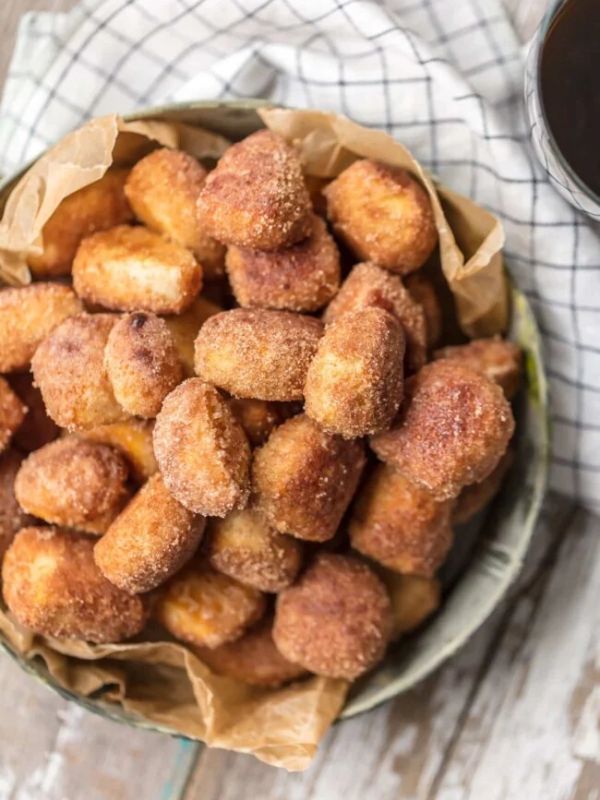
445,78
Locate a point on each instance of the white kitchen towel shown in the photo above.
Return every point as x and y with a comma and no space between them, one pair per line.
444,77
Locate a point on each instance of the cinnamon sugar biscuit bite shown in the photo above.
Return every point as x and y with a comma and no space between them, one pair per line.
303,277
74,483
12,517
246,548
68,367
202,451
337,620
163,189
258,417
256,196
37,429
133,439
149,541
257,353
12,413
95,207
400,525
498,359
303,479
413,599
252,659
453,430
52,585
354,382
475,497
207,608
27,315
132,268
423,292
368,285
184,329
383,214
142,363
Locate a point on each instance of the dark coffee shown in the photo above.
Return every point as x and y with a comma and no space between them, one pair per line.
570,86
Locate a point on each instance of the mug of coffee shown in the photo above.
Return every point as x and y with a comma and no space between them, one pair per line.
562,96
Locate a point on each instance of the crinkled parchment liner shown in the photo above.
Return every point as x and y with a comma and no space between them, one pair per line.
163,681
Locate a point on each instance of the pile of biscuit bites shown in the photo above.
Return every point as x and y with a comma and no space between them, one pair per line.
276,484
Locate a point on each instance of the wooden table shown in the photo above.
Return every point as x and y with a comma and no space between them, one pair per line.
514,716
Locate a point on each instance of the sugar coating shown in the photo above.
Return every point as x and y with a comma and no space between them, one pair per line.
75,483
383,214
37,429
355,381
475,497
413,599
452,431
400,525
336,620
256,196
423,292
52,585
201,450
12,413
304,478
68,368
498,359
27,315
256,353
12,517
133,439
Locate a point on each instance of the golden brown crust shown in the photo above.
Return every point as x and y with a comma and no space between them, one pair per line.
303,479
163,190
499,360
337,620
37,429
454,428
245,547
400,525
52,585
12,413
133,269
184,329
252,659
256,197
207,608
413,599
12,517
474,498
74,483
149,541
368,285
423,292
303,277
133,439
96,207
142,363
68,367
27,315
258,417
355,381
383,214
202,451
257,353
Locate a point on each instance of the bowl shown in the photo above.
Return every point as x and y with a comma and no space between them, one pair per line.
492,548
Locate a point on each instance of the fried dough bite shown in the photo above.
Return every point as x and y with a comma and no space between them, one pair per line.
12,413
256,197
413,599
12,517
336,620
258,417
245,547
37,429
73,483
257,353
369,285
400,525
498,359
133,439
303,479
142,363
96,207
383,214
355,381
252,659
303,277
131,268
474,498
184,329
52,585
423,292
163,189
149,541
68,367
27,315
453,430
202,451
206,608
